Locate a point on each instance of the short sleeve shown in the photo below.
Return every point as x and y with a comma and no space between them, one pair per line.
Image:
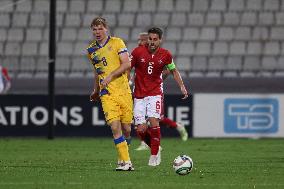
121,47
133,57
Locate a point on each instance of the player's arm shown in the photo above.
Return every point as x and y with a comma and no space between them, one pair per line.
167,72
178,79
124,66
95,93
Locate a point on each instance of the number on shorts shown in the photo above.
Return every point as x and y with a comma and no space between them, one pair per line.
158,105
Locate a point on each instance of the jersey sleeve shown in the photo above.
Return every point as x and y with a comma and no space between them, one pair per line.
169,58
121,47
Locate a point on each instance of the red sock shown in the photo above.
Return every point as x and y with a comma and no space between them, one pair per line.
155,139
168,122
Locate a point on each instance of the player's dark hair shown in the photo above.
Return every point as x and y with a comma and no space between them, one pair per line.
157,31
99,21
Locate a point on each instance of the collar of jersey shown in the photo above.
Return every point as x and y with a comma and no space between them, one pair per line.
108,38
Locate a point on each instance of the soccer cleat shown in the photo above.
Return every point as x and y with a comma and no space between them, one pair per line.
124,166
155,160
182,131
143,146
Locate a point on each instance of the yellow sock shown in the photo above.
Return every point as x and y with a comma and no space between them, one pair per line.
122,150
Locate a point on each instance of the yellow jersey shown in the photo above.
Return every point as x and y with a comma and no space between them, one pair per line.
105,59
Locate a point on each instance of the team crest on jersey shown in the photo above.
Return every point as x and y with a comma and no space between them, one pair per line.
142,59
160,61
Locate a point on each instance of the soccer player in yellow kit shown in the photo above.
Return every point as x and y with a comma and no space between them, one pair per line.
110,60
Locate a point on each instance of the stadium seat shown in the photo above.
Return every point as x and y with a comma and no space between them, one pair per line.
236,5
178,19
218,5
29,49
237,48
64,48
186,48
195,19
271,5
183,5
38,19
200,5
148,5
214,19
234,63
207,34
254,5
173,34
16,34
25,6
242,33
265,18
231,19
279,18
203,48
95,6
43,49
34,34
13,49
131,6
112,6
4,20
61,6
77,6
161,19
20,20
220,48
216,63
254,48
68,34
122,32
251,63
183,63
72,20
165,5
226,33
191,33
7,6
3,34
271,48
277,33
126,19
269,63
143,19
27,64
199,64
248,19
41,6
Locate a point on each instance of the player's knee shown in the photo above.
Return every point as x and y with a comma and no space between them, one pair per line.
141,128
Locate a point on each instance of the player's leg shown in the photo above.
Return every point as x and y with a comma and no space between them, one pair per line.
154,110
178,126
141,136
112,116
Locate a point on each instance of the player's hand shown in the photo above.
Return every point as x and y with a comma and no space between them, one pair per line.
184,92
94,96
106,81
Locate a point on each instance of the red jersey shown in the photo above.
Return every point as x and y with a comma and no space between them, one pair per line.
148,70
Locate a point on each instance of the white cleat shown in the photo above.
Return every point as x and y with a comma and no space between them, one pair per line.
155,160
143,146
182,131
124,166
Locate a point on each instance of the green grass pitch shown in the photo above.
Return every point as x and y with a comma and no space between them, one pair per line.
90,162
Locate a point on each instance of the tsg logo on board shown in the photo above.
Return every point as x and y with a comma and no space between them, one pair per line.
251,115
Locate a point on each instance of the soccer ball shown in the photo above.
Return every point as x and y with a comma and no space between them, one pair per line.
182,164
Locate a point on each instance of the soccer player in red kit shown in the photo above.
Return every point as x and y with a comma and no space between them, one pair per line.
5,81
149,62
142,40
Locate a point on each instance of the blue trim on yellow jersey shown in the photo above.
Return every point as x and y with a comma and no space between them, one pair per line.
119,140
108,38
96,59
104,92
123,51
99,71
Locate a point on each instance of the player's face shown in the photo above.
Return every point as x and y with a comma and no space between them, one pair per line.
142,40
99,32
154,42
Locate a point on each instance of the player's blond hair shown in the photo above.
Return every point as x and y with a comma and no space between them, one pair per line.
99,21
